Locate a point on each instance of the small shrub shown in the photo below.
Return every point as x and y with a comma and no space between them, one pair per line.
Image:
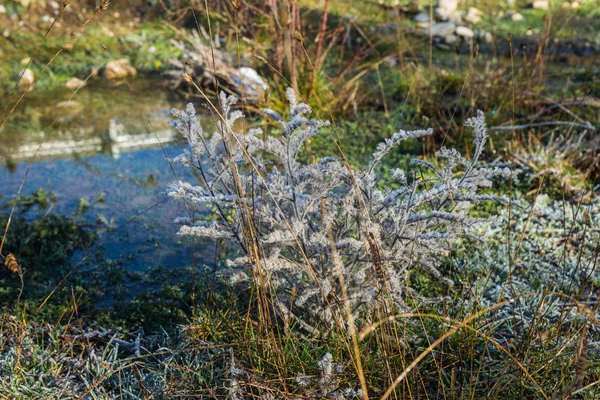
315,234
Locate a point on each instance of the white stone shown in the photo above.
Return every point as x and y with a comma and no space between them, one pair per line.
252,84
465,32
2,9
252,75
541,4
575,5
475,11
28,78
473,16
446,9
517,17
74,83
450,5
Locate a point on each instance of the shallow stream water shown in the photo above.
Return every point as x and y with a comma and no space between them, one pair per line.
110,143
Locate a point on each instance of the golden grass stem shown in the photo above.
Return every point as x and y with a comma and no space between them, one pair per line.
452,331
339,270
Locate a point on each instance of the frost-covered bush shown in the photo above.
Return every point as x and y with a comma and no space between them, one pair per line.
292,220
554,248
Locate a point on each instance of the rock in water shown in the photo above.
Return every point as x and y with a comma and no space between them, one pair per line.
119,69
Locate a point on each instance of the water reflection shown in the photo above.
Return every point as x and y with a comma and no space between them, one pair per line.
113,142
121,156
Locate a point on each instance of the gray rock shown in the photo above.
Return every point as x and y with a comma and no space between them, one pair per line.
252,84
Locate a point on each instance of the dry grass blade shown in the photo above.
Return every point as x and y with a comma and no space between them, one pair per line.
456,328
580,362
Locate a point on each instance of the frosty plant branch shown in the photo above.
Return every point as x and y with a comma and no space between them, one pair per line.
374,233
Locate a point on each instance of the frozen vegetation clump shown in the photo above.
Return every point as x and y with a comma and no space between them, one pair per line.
302,228
552,249
329,385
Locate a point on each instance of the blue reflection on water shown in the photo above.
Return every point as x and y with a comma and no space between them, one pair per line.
133,185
